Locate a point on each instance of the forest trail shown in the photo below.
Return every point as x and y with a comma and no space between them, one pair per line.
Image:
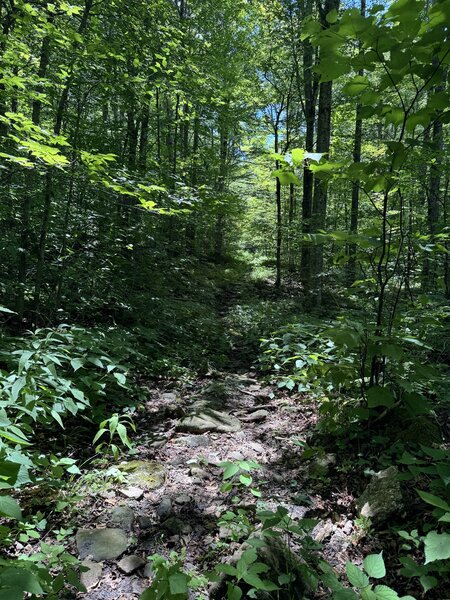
186,510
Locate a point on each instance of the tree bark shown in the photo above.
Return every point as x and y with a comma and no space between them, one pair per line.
323,146
310,99
354,211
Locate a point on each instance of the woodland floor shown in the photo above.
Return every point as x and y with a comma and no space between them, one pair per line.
184,511
197,501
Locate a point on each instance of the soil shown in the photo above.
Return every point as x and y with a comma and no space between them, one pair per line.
183,512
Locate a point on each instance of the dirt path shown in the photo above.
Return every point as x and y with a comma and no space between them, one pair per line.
184,511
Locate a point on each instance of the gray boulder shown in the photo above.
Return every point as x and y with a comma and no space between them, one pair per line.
382,497
123,517
101,544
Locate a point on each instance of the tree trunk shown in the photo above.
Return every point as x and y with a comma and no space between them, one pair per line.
310,99
354,212
429,275
322,146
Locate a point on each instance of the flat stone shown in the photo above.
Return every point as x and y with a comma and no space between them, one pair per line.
132,492
170,397
236,456
195,441
130,564
123,517
107,494
207,419
257,447
199,473
144,474
164,509
183,499
91,578
101,544
255,417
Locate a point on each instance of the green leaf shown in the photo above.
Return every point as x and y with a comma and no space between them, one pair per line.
18,385
383,592
13,437
345,595
356,86
355,576
379,396
76,363
227,569
3,309
10,508
332,16
230,469
57,418
99,434
368,594
374,565
428,582
11,593
433,500
245,479
20,579
286,177
234,592
298,156
178,584
122,431
437,546
121,378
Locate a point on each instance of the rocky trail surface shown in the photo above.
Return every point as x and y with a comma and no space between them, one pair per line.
169,497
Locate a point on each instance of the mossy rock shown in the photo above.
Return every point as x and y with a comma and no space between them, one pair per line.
144,473
421,430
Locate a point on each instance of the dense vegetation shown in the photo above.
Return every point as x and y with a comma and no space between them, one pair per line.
191,186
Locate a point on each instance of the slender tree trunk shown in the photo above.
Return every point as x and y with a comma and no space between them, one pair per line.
323,146
143,141
279,232
354,212
158,127
310,99
291,217
221,181
429,275
447,244
175,135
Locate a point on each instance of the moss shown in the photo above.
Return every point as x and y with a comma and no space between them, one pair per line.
144,473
